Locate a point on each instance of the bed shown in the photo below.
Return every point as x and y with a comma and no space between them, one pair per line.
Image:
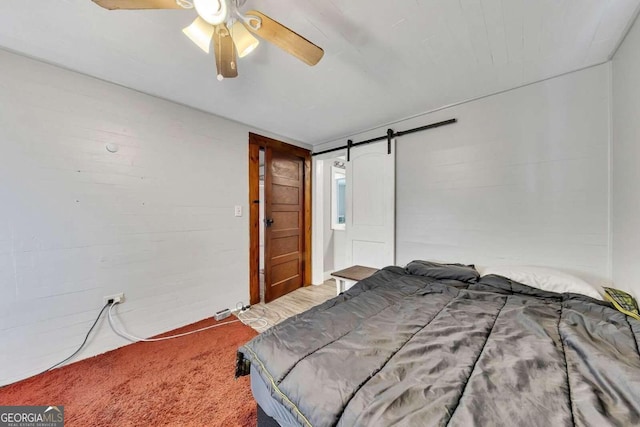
435,345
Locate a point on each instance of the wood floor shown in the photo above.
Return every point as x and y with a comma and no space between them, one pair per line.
289,305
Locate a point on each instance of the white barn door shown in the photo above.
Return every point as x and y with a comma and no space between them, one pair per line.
370,200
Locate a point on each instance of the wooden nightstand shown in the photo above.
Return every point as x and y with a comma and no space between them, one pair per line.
350,276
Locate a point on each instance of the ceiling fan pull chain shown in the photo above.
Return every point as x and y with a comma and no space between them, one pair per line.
185,4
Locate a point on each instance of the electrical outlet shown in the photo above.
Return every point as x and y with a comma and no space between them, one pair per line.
238,210
116,298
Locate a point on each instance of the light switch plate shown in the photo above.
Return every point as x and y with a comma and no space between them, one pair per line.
238,210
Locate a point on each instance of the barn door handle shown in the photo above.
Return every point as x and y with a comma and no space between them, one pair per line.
268,222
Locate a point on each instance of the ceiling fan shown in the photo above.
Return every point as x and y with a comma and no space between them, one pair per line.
221,22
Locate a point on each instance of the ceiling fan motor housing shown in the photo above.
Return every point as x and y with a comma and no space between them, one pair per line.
215,12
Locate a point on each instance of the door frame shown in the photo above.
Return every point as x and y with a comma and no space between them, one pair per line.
256,143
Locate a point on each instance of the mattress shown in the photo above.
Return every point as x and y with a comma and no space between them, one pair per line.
262,393
433,345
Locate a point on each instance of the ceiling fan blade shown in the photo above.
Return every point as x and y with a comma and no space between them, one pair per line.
225,50
137,4
285,39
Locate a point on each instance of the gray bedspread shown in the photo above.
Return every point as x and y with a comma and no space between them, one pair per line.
402,348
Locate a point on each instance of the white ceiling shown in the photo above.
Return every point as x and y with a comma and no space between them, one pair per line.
384,60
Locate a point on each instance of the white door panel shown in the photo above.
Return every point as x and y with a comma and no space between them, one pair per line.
366,206
371,254
370,222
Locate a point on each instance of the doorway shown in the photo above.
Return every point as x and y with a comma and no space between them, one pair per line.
282,256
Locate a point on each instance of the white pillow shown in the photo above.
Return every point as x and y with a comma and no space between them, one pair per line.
543,278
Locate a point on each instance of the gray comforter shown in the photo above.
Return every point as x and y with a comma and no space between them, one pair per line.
424,346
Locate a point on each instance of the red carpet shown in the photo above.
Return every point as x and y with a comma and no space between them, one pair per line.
187,381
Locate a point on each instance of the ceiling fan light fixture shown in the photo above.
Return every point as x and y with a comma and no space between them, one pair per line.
232,32
242,38
200,32
215,12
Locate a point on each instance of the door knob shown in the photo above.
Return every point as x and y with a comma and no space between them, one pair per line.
268,222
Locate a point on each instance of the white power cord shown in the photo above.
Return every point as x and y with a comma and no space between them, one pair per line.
124,334
250,321
134,338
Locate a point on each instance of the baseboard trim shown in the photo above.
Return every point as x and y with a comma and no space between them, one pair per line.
325,276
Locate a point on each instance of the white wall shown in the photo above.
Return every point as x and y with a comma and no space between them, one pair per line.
155,220
521,179
339,250
626,164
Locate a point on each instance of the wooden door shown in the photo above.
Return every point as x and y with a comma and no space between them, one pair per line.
284,223
370,219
